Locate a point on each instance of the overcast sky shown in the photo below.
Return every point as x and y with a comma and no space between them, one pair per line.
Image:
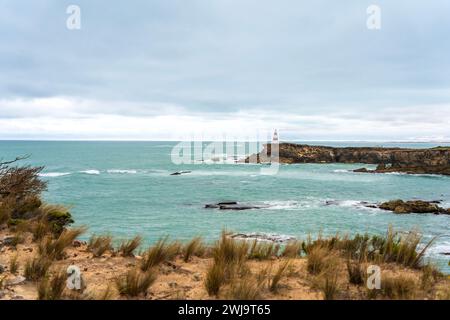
174,69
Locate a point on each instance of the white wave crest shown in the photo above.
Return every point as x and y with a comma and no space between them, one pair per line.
262,236
122,171
54,174
93,171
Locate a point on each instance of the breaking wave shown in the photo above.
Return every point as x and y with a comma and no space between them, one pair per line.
53,174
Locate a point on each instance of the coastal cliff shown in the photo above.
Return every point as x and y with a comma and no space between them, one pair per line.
430,161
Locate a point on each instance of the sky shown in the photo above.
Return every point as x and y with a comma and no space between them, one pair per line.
183,69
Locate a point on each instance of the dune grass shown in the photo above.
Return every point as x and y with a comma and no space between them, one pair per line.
98,245
245,288
356,272
160,252
195,247
135,282
261,250
127,248
275,279
14,264
52,288
55,248
401,287
37,268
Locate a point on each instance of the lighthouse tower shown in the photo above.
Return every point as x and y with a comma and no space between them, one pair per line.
275,137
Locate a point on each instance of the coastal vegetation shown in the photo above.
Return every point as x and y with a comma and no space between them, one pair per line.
37,245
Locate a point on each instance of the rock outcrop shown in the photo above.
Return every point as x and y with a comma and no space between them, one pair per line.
234,206
417,161
414,206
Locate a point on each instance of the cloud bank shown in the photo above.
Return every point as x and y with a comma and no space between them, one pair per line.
173,69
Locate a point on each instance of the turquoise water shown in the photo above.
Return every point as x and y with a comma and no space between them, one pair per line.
125,188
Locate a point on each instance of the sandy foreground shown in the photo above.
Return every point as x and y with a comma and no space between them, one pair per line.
177,279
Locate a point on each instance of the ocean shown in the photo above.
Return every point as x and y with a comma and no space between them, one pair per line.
125,189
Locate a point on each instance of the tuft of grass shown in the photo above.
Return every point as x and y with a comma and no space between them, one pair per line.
215,278
5,213
260,250
37,268
55,249
356,273
276,278
52,289
444,293
194,247
98,245
230,251
292,249
135,282
329,285
245,289
400,287
318,259
40,229
127,248
160,252
430,275
14,264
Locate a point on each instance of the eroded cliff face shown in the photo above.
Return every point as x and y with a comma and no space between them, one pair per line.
434,160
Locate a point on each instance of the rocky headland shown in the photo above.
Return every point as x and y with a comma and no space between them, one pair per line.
415,161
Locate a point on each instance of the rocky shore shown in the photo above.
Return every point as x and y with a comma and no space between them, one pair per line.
414,161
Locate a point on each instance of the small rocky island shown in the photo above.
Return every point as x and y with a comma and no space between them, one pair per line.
415,161
413,206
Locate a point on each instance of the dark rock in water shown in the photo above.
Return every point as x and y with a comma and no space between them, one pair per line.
239,207
445,253
414,206
219,204
361,170
233,205
179,173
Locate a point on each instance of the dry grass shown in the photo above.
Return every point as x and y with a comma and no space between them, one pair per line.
400,287
230,251
14,264
215,278
160,252
127,248
246,288
430,275
195,247
98,245
135,282
55,248
329,285
261,250
356,272
319,259
292,250
444,293
40,229
5,213
279,274
37,268
394,247
52,289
